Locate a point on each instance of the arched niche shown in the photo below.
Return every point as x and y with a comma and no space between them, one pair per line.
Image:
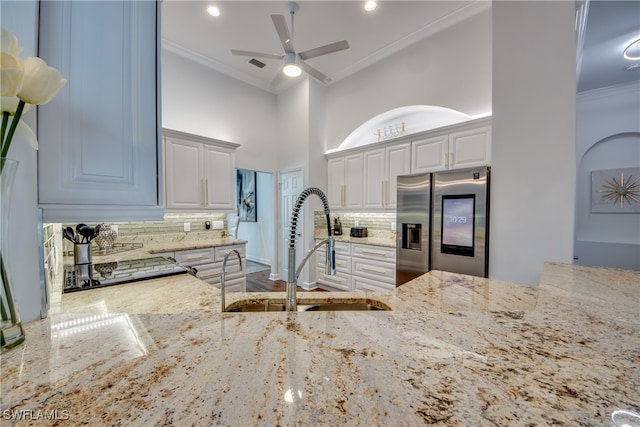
416,118
607,239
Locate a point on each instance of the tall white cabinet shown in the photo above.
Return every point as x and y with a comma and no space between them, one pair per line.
345,178
199,172
100,157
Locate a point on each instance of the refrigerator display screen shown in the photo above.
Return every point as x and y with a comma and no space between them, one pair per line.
458,224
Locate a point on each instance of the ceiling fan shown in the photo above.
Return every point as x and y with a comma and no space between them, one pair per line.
294,62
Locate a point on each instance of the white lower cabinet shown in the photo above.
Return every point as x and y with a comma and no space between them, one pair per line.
359,268
208,264
342,279
373,268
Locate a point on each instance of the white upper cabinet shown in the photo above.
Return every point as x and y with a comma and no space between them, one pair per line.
345,181
199,172
99,157
366,178
461,147
382,167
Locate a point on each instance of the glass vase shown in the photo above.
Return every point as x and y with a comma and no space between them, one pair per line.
12,332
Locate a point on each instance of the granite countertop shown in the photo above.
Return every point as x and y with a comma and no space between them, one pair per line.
454,351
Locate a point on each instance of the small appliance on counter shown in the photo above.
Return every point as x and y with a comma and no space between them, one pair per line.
337,227
358,231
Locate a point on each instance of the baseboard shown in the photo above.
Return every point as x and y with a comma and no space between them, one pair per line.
265,261
273,276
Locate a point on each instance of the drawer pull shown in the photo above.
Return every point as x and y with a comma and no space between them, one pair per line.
332,279
374,270
194,257
372,252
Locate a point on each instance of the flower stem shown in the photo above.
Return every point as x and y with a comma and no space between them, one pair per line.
14,124
3,130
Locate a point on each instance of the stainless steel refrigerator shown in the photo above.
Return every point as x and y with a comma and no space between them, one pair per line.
442,223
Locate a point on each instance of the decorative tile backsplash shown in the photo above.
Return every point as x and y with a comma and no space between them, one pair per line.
172,223
373,221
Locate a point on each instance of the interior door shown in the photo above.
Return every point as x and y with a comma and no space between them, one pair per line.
291,185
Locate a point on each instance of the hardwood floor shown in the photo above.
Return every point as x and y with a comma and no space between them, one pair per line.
259,282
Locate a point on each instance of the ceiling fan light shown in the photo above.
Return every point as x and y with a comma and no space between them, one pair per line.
370,6
632,52
292,70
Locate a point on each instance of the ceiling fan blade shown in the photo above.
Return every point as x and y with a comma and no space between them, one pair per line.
278,78
323,50
256,54
283,32
313,72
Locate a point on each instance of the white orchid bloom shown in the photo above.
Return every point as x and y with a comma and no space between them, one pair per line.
11,74
41,82
9,43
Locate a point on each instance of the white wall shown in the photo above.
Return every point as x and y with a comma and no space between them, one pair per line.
21,19
196,99
533,168
260,234
450,69
608,137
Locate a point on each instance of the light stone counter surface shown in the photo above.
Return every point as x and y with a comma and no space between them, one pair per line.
455,351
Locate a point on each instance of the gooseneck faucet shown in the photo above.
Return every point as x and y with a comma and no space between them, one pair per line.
222,274
291,303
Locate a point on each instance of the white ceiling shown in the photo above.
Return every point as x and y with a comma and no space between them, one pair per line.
611,27
246,25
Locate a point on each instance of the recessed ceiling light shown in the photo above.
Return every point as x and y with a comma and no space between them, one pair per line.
213,11
632,52
370,6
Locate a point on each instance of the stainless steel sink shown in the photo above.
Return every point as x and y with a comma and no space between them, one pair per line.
345,307
268,306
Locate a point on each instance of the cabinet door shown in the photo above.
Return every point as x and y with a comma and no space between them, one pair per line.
219,178
431,154
374,179
335,182
99,138
470,148
353,181
183,174
398,162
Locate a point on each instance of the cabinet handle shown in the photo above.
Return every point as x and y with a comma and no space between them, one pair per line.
388,192
194,257
382,193
372,252
451,159
206,192
374,270
202,192
332,279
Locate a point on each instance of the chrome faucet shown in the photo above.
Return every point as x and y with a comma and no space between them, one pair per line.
222,274
291,303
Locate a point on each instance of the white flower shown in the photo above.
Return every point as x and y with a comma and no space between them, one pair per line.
41,82
9,43
11,74
10,104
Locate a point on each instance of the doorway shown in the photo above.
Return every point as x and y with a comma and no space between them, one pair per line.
258,229
291,185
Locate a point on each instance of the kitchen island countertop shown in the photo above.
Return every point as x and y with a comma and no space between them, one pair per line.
455,350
